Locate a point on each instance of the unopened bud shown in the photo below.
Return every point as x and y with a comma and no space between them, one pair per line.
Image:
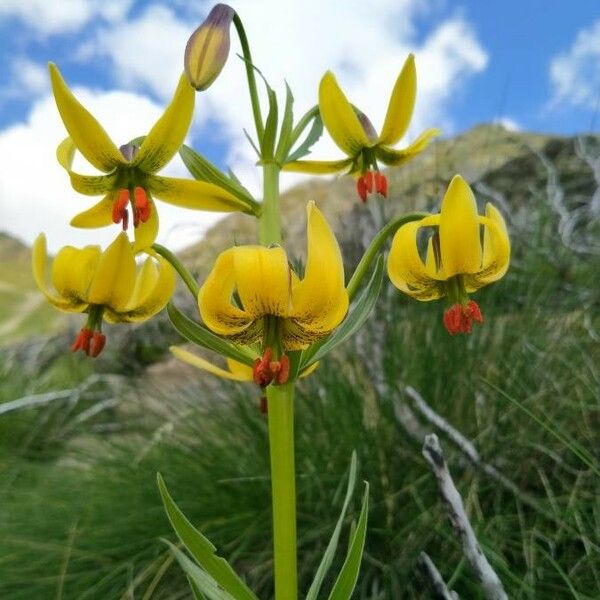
208,47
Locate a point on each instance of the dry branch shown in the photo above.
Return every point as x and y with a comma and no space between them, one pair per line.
490,582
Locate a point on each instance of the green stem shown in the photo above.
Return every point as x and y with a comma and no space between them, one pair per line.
185,275
250,75
280,401
375,246
270,217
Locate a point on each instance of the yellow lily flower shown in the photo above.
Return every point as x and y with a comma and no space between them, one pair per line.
271,303
354,134
130,172
105,285
456,263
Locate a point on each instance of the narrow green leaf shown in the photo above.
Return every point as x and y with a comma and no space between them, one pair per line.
235,178
352,323
286,125
327,559
203,552
268,142
198,595
202,169
254,146
316,131
200,581
199,335
344,584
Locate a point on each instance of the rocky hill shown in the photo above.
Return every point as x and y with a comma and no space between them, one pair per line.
23,310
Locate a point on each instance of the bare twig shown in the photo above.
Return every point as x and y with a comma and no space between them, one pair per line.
407,418
490,582
435,419
436,581
466,446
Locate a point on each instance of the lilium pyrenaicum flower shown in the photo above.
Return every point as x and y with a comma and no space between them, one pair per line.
105,285
354,134
273,302
456,263
130,173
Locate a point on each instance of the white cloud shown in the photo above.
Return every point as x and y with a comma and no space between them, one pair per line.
29,79
508,123
575,74
47,17
365,44
35,194
147,51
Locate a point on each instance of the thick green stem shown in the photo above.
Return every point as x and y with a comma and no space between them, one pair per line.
280,401
270,218
250,75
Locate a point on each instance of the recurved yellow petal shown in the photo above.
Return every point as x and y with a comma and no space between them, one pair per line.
496,247
395,158
459,230
405,267
263,280
320,299
214,298
154,287
87,134
168,133
339,117
72,271
401,105
144,283
197,195
145,233
237,371
100,215
318,167
114,277
240,370
39,259
90,185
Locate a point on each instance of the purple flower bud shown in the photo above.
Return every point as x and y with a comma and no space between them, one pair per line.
208,47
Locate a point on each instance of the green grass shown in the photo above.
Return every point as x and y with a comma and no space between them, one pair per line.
80,515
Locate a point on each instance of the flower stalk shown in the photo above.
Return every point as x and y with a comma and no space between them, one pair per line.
270,218
280,403
280,399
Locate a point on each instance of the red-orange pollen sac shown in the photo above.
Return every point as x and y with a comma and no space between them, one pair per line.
266,371
140,203
459,318
82,341
90,342
381,184
369,181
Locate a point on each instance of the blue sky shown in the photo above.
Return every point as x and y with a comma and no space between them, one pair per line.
532,65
